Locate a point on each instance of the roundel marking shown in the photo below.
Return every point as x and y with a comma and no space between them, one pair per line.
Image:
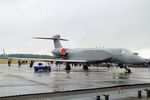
63,51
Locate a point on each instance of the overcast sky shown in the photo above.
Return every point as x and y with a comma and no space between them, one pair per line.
86,23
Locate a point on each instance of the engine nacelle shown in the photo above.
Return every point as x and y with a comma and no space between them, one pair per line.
60,52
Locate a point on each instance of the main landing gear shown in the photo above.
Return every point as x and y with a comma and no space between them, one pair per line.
68,67
128,70
85,67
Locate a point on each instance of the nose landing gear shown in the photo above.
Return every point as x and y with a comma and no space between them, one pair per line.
128,70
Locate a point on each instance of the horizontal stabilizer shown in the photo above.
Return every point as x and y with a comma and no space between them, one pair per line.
56,38
50,38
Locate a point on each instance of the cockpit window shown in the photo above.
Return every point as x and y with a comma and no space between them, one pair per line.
125,51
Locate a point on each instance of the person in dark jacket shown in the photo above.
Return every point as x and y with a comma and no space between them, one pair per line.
9,62
19,63
31,63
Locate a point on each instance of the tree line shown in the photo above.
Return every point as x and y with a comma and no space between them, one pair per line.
2,56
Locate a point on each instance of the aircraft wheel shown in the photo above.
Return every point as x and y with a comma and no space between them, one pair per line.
85,67
49,70
129,70
68,67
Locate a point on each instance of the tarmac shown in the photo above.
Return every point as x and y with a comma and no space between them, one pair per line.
18,82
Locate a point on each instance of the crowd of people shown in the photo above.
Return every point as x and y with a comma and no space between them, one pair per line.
20,62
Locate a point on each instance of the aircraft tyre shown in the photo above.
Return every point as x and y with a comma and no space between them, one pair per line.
68,67
129,70
85,67
49,70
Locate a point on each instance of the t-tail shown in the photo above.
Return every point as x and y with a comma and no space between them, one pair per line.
56,38
59,50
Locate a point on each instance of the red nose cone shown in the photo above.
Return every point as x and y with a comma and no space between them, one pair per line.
63,51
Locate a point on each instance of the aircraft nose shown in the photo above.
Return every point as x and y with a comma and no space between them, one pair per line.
137,60
141,60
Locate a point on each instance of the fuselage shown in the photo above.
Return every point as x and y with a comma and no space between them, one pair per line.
111,55
93,55
125,56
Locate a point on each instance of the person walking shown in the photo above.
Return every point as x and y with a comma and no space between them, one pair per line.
31,63
9,62
19,63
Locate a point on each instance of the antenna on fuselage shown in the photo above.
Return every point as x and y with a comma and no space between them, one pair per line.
56,38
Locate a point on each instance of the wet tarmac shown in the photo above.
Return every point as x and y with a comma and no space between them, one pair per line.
23,80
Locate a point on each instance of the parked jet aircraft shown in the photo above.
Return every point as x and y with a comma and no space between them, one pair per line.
91,56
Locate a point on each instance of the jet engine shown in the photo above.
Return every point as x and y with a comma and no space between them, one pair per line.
60,52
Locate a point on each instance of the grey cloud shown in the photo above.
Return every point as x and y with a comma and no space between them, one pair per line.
87,23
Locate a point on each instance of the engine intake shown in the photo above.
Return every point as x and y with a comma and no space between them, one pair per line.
60,52
63,51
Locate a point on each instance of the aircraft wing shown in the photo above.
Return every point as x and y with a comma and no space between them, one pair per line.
87,56
69,61
47,60
60,60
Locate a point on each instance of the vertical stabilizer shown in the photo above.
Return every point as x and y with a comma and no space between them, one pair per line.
57,43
